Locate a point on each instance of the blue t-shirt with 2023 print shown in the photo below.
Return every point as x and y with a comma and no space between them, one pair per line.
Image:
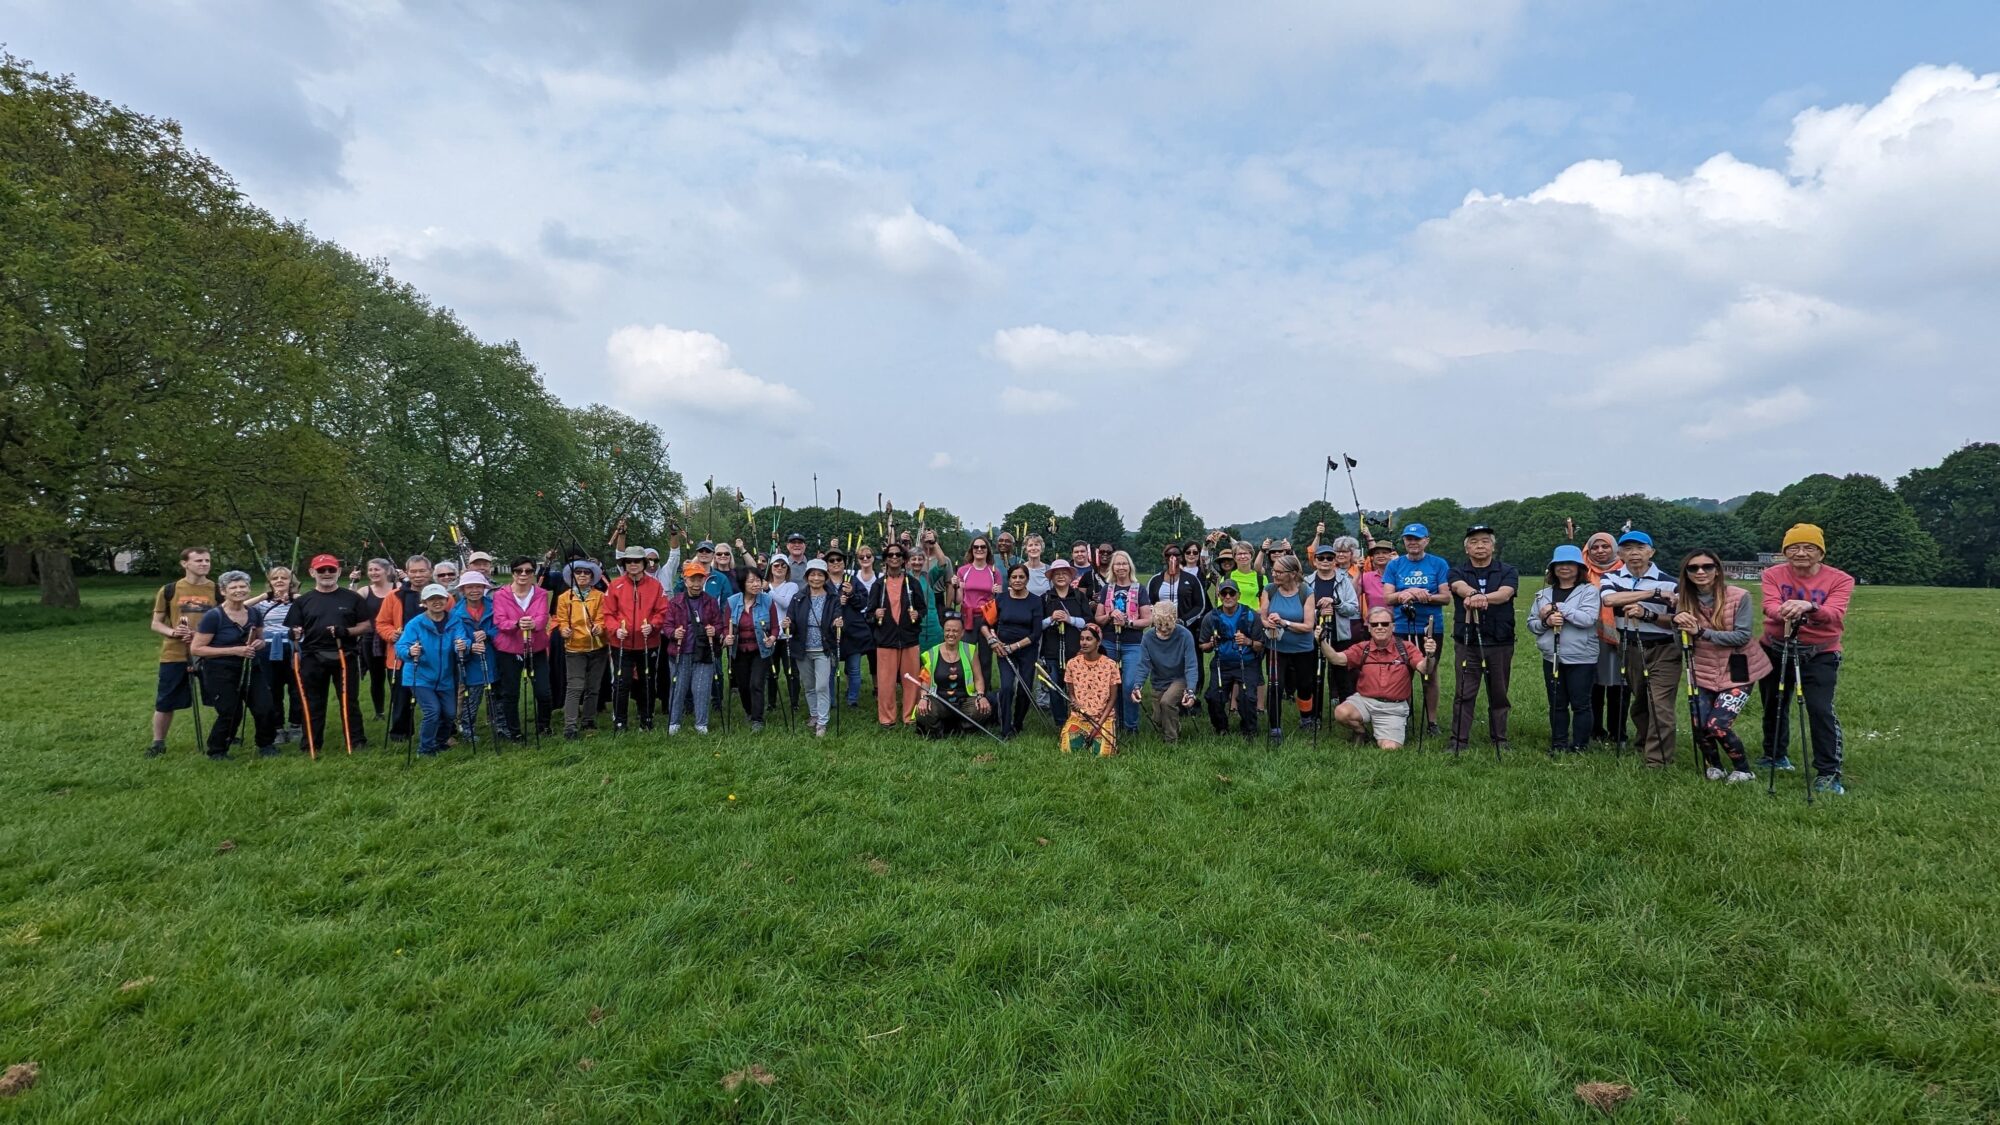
1427,574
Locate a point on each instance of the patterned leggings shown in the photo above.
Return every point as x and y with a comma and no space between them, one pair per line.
1715,721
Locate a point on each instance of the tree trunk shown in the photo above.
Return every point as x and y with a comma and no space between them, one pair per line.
20,565
58,580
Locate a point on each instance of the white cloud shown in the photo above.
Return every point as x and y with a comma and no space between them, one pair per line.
1037,347
940,460
910,245
1024,401
1758,414
672,368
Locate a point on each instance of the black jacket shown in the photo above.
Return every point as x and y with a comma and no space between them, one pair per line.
888,632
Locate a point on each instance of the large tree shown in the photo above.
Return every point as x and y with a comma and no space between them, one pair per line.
161,334
1035,517
1169,520
1873,535
1309,520
1958,503
1097,521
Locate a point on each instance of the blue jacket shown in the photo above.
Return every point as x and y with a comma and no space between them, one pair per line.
437,668
479,669
760,617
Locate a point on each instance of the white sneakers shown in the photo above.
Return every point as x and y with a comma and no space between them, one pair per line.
1736,776
1713,773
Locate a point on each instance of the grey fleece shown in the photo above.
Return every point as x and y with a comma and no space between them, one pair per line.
1727,638
1163,662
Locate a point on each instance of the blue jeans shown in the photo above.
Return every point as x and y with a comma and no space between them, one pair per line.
851,668
468,722
693,680
1128,658
437,707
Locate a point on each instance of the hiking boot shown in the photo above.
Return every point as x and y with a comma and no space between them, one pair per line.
1737,777
268,751
1713,773
1828,783
156,749
1277,735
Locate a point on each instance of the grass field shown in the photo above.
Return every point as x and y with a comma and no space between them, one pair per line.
647,930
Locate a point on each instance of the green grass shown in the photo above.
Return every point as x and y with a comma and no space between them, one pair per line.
913,932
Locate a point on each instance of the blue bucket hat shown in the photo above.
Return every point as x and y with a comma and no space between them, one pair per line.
1568,553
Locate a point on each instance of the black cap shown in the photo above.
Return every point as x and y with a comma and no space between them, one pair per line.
795,537
1479,529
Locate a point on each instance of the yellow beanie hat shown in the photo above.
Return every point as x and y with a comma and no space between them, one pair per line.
1806,533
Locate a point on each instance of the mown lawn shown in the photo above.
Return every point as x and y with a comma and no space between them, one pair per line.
893,931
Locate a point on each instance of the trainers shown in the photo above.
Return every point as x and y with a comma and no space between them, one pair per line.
1739,776
1277,735
755,727
701,730
819,732
1828,783
673,728
1785,763
1766,762
268,751
569,734
1712,773
156,749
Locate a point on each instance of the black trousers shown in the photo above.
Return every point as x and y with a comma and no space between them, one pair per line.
1570,701
632,679
224,688
1820,674
1345,677
1016,690
319,676
781,668
1218,699
375,663
509,688
1298,678
747,672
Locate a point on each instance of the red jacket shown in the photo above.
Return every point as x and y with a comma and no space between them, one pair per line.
628,605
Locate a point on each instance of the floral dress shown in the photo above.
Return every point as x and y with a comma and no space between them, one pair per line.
1093,686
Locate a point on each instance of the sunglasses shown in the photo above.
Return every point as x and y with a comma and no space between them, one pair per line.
1229,593
1381,624
519,570
893,555
327,570
979,546
930,542
1700,568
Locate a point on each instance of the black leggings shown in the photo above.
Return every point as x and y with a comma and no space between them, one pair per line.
1298,678
1570,704
223,688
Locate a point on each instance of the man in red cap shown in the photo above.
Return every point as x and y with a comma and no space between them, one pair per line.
326,621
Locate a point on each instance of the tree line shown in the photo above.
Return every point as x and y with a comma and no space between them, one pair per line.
184,367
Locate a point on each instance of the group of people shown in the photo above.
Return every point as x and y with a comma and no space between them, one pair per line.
1259,635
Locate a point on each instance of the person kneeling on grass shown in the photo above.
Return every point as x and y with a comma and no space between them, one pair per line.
1715,616
1167,659
1380,705
1231,630
951,671
1091,679
427,649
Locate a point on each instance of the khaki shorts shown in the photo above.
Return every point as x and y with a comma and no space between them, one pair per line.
1386,721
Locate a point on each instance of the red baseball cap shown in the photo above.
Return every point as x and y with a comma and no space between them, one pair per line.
323,560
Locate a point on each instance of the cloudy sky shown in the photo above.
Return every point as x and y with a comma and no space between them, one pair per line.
973,254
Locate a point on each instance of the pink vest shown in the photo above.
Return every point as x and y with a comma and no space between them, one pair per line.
1711,660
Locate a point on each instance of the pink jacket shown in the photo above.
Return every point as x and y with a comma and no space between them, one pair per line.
508,615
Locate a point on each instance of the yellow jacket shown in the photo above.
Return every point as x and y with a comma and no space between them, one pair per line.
584,619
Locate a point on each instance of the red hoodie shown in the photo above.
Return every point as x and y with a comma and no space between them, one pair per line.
1828,590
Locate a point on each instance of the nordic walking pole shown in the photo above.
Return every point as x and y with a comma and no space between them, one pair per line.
298,678
840,658
1556,694
1694,706
928,690
1360,517
1625,638
346,730
1805,722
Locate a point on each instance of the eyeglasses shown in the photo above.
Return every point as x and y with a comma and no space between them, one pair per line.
1700,568
524,570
